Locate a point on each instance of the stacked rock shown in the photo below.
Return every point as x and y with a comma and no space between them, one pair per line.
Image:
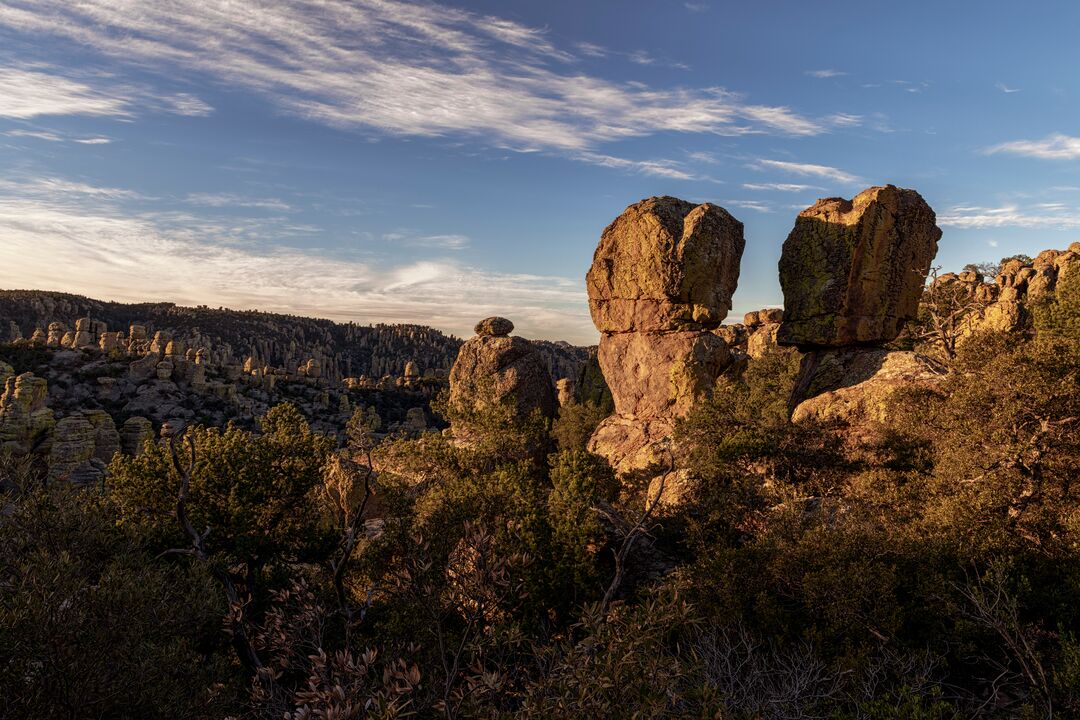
493,368
26,423
661,281
852,273
762,328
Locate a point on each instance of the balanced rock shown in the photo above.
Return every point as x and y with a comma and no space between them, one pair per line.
665,263
494,369
852,271
494,326
661,282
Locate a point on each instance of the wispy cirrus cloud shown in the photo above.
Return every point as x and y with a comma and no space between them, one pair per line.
1056,215
28,93
1053,147
782,187
670,169
827,73
399,68
806,170
224,200
413,239
50,136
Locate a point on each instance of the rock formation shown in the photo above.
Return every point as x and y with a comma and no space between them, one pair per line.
852,273
494,367
661,280
134,433
25,422
1003,305
762,329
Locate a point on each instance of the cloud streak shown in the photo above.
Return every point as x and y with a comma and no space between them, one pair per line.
1052,147
26,94
806,170
390,67
1057,216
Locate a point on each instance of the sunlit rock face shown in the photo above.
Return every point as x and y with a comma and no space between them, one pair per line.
495,368
852,271
661,281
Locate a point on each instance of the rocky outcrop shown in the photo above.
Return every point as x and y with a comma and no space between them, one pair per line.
1004,304
494,326
762,329
662,264
661,280
495,369
134,434
856,384
26,423
852,271
73,446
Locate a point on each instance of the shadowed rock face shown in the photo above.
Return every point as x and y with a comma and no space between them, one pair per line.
661,280
665,263
852,271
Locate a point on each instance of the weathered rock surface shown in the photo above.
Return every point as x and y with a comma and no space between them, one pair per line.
494,326
26,423
857,384
661,374
661,281
663,264
852,271
73,445
492,369
134,433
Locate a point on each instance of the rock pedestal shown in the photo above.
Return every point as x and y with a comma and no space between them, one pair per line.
661,280
852,273
493,368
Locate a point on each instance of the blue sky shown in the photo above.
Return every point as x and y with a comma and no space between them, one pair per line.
387,161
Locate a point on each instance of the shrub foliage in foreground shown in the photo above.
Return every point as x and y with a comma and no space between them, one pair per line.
927,568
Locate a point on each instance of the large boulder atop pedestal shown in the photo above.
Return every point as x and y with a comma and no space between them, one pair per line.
852,271
663,264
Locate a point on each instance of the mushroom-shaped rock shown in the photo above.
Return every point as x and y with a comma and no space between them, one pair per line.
852,271
494,326
664,264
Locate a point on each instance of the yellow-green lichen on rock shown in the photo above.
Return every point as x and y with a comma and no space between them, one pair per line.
852,271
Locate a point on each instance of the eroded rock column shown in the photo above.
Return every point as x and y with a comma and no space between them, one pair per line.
661,279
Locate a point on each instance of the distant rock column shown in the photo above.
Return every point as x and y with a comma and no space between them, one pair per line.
26,424
852,273
661,280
